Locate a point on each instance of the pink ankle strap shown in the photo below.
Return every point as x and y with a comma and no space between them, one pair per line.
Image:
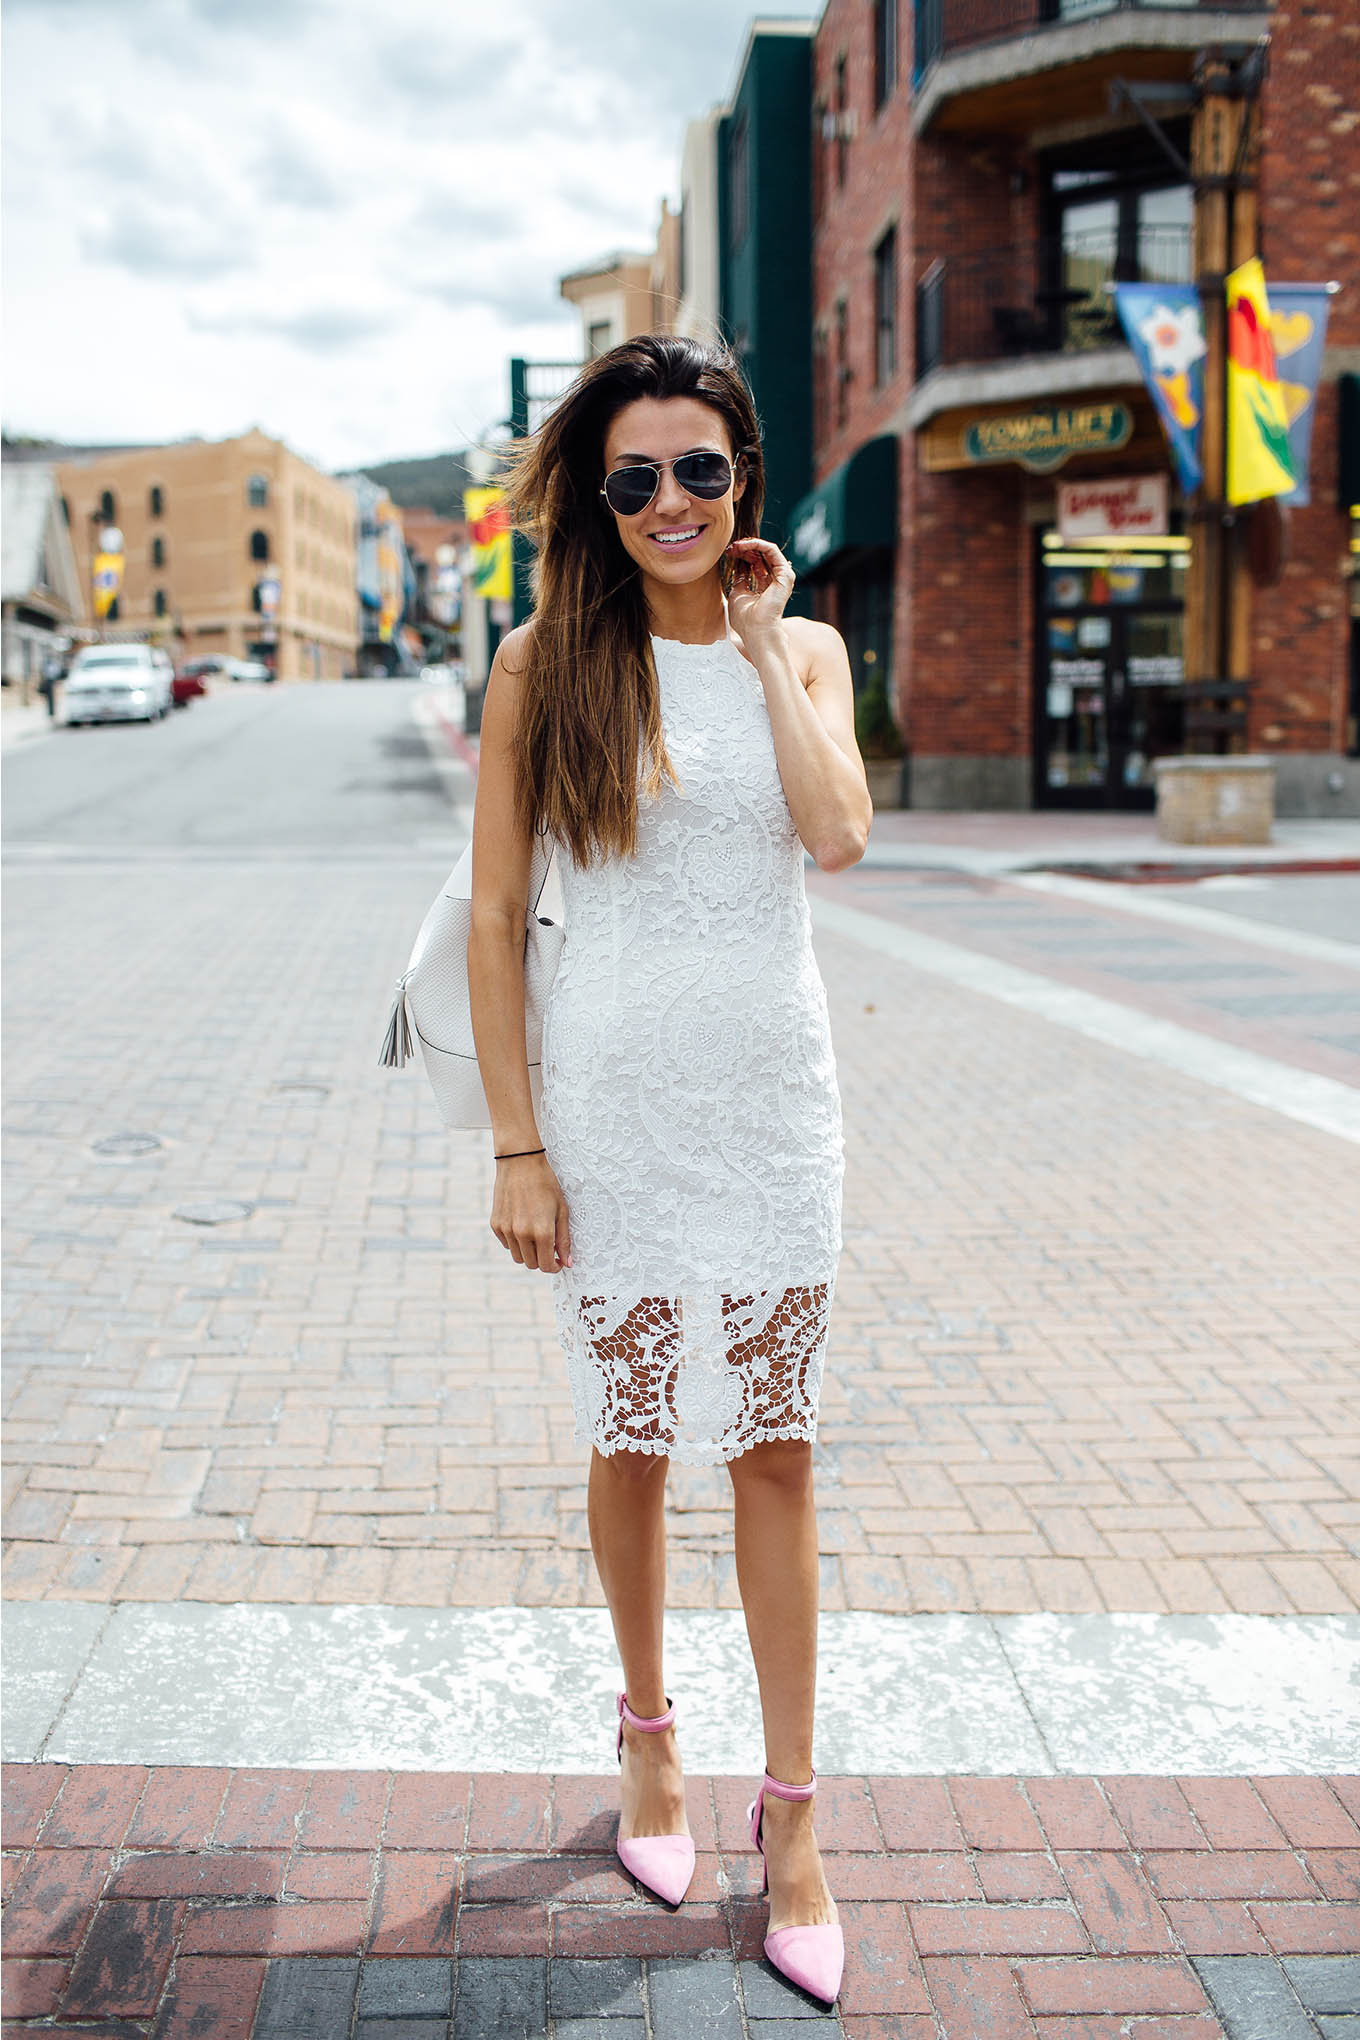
650,1724
777,1790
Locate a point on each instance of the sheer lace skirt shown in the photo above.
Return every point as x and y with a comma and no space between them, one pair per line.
699,1377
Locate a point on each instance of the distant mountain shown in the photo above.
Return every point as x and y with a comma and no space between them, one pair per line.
437,481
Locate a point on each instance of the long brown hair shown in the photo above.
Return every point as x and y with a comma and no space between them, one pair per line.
589,703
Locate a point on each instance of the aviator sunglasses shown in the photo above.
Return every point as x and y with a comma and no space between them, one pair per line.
627,490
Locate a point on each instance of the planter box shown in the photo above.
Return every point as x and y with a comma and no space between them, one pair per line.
886,777
1215,800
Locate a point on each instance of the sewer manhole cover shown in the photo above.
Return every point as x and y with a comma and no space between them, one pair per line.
128,1144
216,1211
302,1086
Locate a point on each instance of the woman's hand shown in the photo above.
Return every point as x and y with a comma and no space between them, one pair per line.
762,582
529,1214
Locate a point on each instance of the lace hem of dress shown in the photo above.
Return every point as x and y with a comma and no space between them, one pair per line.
700,1377
684,1454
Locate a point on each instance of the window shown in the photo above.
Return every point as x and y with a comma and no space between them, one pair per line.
157,501
1114,215
885,308
842,121
738,182
821,367
259,545
599,338
160,604
158,552
818,154
885,51
257,492
108,508
842,370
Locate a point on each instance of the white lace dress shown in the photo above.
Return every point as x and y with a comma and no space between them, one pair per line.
690,1109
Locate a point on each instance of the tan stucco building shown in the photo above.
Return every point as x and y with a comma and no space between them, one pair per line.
624,293
236,546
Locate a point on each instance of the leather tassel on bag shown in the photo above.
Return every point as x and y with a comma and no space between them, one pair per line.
397,1043
433,1006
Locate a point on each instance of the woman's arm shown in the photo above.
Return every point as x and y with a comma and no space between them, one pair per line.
528,1212
805,672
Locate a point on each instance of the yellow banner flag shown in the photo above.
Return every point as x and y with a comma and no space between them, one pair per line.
108,579
489,529
1259,459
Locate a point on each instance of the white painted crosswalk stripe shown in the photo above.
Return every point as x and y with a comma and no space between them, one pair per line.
532,1689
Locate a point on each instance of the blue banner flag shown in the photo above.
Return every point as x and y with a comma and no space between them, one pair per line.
1298,327
1165,328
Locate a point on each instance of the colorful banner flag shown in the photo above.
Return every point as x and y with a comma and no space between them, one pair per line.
1260,462
1165,328
489,529
1298,327
108,579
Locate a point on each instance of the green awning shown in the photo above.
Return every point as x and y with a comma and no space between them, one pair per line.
855,507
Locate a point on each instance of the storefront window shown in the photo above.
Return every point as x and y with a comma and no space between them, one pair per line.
1110,667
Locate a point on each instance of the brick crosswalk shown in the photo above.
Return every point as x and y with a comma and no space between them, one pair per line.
1093,1348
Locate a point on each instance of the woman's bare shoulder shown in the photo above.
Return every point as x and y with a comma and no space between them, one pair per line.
513,648
815,646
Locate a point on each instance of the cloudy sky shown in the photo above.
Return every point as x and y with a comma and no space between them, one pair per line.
333,219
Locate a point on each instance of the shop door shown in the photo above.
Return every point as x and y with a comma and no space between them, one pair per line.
1110,703
1110,676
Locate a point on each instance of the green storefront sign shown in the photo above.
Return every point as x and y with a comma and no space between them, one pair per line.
1044,438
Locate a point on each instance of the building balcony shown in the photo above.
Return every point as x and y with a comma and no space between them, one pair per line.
1055,297
1029,321
1014,66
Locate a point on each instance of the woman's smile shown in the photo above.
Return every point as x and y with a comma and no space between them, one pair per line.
677,538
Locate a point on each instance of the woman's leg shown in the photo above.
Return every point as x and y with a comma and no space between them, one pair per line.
626,1508
776,1548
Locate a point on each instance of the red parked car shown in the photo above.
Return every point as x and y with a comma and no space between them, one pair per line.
192,678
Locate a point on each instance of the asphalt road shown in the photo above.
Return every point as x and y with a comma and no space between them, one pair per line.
1316,903
329,768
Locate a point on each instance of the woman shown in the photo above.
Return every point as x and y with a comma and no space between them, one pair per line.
683,1184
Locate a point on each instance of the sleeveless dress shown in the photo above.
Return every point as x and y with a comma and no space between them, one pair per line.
690,1108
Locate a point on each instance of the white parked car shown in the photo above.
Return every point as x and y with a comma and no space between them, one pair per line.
119,683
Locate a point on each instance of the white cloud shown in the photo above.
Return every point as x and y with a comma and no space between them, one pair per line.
329,219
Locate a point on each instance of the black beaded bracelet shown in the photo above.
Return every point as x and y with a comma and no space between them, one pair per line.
519,1154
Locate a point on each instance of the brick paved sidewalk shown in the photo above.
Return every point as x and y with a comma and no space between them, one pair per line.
175,1902
1094,1345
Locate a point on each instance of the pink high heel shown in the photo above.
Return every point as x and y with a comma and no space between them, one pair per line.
811,1957
664,1863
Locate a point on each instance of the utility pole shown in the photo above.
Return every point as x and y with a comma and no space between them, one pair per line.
1224,152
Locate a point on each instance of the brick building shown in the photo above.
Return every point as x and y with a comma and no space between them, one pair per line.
981,174
235,546
434,546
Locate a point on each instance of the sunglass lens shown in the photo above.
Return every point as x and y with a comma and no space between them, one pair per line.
708,475
631,489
